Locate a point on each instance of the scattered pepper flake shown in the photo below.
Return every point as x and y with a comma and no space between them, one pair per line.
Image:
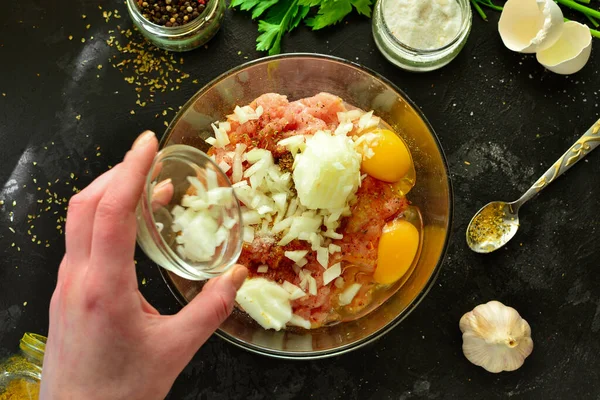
70,37
78,117
24,304
467,163
144,282
82,40
99,66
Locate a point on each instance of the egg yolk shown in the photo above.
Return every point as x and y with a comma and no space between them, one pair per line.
397,249
385,156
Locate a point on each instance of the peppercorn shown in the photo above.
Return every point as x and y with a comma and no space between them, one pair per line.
171,13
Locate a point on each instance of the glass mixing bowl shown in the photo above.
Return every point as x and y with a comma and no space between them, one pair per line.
304,75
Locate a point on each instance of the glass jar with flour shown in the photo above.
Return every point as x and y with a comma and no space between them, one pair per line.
421,35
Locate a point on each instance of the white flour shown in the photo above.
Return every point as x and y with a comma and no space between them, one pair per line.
423,24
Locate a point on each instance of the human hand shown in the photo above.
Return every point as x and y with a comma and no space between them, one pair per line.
105,340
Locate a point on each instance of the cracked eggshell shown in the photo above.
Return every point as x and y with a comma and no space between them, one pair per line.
529,26
571,52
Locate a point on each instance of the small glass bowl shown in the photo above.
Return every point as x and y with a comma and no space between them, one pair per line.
419,60
172,166
185,37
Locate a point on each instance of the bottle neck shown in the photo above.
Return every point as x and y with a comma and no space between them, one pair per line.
33,347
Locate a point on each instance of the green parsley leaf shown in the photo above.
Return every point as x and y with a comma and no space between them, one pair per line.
278,21
362,6
330,12
282,16
302,13
262,7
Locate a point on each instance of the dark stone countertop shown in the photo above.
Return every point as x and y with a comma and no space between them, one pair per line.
499,111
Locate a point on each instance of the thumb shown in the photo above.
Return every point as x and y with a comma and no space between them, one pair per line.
203,315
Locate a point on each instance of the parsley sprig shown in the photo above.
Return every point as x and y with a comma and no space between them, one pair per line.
277,17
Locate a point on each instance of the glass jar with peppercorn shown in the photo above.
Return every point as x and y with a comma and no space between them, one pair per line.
177,25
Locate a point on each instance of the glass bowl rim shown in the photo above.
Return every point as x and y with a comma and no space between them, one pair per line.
464,27
315,355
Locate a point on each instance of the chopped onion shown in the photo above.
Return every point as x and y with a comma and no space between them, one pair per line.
302,262
236,176
339,282
349,116
323,257
266,302
334,248
348,295
248,234
211,179
297,320
251,217
333,235
295,256
332,273
312,285
221,137
294,144
368,121
344,128
290,287
224,126
196,219
294,291
224,166
263,269
328,165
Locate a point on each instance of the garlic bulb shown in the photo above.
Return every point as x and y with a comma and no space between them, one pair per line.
495,337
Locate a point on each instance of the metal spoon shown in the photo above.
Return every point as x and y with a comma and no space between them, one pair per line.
497,222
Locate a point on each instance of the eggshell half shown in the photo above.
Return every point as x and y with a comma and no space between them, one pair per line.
571,52
529,26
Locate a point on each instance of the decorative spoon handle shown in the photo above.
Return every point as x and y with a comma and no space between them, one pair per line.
581,148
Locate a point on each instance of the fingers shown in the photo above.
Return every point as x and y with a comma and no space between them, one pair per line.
80,221
113,238
162,194
147,307
203,315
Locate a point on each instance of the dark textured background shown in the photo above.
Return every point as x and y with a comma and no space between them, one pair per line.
498,110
